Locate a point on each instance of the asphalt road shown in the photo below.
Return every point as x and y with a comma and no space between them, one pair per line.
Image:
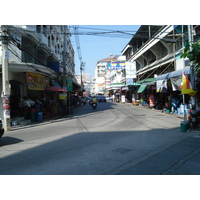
104,141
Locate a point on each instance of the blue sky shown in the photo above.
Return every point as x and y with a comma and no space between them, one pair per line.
97,47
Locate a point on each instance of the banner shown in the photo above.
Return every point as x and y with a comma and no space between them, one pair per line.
176,82
116,65
131,70
186,87
37,81
161,86
54,66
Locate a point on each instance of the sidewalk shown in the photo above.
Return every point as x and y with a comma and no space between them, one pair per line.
183,158
45,121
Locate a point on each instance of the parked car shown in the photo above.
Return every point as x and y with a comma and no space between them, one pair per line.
109,99
101,98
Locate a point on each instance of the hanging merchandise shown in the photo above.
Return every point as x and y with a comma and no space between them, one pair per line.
186,87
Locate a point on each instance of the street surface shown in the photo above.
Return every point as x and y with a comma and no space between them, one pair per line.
105,141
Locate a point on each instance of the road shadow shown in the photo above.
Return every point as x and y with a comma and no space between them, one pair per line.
90,150
9,140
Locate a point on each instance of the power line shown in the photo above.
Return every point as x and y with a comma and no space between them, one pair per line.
78,48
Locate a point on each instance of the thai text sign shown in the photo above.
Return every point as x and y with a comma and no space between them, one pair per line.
70,85
116,65
37,81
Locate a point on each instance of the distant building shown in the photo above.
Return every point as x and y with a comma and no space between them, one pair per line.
86,81
100,80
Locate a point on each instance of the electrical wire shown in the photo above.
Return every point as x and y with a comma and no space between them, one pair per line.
82,65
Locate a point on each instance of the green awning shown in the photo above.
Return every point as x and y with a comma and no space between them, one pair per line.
146,80
136,84
141,88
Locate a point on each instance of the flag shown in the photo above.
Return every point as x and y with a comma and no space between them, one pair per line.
186,87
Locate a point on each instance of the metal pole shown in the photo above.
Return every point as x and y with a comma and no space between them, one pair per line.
81,69
64,69
5,81
193,101
64,62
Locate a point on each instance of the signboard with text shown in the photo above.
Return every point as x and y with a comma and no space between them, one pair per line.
69,85
37,81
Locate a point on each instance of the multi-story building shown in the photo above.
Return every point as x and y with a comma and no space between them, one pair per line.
39,56
105,79
156,52
85,80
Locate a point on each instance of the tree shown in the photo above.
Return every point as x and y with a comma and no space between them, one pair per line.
193,54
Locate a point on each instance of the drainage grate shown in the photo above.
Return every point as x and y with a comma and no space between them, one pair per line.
122,150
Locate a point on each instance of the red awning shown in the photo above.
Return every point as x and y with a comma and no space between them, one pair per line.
55,89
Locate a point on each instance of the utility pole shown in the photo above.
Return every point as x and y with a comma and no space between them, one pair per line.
5,81
193,99
81,70
64,61
64,69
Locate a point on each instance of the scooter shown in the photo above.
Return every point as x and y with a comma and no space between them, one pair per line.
94,105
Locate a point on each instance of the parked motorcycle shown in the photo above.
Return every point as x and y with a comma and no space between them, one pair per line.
94,105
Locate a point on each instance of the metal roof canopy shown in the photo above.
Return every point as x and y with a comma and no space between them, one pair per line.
146,80
173,74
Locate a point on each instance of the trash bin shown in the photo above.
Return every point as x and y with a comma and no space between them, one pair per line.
39,116
33,115
37,106
184,126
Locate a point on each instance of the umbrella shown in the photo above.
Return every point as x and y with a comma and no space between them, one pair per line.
55,89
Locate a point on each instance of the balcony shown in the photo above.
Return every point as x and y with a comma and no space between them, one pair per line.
43,39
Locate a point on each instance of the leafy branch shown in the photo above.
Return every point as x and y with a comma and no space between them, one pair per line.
193,55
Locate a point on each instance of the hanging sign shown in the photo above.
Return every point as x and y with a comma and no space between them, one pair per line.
69,85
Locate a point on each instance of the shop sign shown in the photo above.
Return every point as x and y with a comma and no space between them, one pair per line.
37,81
62,96
131,70
69,85
116,65
123,99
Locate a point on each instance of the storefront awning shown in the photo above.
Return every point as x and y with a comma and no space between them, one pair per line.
146,80
141,88
55,89
174,74
55,83
134,84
